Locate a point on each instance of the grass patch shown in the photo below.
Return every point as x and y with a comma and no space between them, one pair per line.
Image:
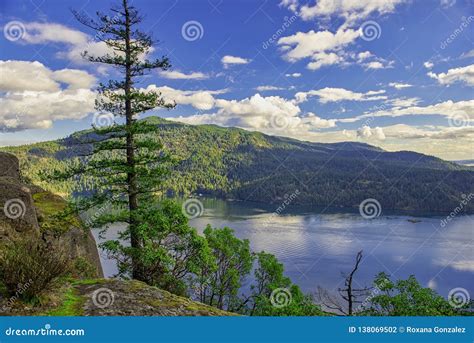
90,282
50,218
71,305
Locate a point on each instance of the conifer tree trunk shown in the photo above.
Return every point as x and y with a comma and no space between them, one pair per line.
131,176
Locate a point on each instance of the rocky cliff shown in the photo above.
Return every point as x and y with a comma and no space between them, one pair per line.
30,210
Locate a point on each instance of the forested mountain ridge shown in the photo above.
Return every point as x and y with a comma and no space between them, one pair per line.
235,163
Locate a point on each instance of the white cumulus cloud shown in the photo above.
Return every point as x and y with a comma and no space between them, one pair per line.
462,74
329,94
34,96
177,75
229,60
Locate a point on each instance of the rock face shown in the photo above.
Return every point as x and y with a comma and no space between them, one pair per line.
9,166
18,214
68,232
29,210
112,297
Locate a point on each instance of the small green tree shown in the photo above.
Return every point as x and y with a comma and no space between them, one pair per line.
273,294
126,161
407,298
233,260
173,253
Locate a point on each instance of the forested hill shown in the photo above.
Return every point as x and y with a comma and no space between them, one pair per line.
238,164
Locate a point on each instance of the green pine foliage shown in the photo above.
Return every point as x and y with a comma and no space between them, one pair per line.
125,162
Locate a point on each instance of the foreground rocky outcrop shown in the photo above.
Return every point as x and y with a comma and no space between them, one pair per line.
30,210
112,297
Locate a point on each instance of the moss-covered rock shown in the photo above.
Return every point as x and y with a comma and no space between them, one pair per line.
68,232
29,209
112,297
48,208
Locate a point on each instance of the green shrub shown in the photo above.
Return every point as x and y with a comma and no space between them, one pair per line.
28,266
83,269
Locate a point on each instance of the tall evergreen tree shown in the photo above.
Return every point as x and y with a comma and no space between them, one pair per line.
126,159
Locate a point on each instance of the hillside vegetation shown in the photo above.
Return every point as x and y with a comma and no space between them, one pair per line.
238,164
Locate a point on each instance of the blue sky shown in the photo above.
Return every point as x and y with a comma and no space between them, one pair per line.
398,74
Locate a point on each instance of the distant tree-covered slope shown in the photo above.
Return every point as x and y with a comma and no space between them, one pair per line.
234,163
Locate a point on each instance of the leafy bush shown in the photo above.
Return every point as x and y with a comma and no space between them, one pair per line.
171,253
28,266
232,262
273,294
407,298
83,269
